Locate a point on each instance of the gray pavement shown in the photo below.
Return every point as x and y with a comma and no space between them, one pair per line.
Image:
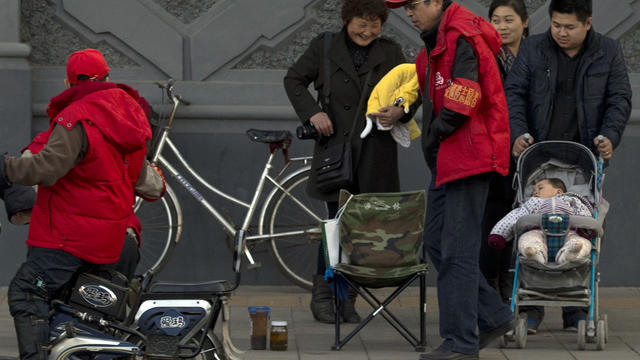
310,340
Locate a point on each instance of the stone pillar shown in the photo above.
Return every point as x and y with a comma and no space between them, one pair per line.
15,81
15,123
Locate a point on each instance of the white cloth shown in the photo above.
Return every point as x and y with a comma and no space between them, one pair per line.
533,245
567,203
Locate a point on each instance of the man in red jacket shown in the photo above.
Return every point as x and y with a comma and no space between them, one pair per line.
465,138
88,173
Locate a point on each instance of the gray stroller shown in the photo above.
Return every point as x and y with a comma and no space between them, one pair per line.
570,284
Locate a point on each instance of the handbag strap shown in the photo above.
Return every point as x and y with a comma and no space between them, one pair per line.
344,206
326,87
365,87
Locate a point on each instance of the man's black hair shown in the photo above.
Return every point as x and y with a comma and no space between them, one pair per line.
582,8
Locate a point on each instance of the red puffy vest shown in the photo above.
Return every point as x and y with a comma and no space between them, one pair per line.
482,143
86,212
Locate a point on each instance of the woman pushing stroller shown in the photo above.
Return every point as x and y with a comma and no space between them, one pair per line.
549,196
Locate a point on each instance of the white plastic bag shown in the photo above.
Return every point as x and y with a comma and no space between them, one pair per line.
331,239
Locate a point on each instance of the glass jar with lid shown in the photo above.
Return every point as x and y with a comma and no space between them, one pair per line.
278,337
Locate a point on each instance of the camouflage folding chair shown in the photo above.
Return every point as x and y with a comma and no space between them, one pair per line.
381,234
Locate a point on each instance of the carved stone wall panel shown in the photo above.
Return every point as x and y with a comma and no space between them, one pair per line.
227,35
52,41
137,27
630,43
322,16
187,11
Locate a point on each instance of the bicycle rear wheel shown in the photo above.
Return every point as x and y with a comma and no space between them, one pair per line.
161,229
295,255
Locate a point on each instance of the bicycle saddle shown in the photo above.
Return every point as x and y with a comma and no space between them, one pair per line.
269,136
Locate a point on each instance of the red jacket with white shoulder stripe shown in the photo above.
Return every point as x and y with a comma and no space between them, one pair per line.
481,144
86,212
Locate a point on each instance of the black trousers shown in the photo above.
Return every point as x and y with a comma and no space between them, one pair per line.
41,279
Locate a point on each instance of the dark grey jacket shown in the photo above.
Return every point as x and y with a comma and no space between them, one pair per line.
603,91
377,159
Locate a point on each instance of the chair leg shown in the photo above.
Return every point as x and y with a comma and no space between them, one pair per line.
422,345
337,345
380,308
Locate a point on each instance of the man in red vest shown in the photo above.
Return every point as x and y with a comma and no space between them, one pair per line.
465,138
88,172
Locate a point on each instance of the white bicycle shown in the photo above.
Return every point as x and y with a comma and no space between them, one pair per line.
289,220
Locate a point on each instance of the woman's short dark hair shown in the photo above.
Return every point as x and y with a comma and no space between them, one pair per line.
517,5
582,8
366,9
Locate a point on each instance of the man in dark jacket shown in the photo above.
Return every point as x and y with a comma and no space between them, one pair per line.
88,172
570,83
465,139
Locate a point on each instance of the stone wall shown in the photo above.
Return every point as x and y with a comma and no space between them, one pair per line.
229,57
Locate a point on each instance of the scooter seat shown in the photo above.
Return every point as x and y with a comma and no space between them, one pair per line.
215,287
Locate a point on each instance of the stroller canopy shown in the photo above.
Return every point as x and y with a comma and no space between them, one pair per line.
571,162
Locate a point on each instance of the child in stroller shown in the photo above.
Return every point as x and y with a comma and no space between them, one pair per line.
573,282
549,197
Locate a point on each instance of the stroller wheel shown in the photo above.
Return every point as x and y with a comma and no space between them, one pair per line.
520,333
606,327
582,334
601,334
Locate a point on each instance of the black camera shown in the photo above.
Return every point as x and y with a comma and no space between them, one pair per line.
306,131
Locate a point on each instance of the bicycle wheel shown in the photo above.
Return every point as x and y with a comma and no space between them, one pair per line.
161,228
211,349
295,255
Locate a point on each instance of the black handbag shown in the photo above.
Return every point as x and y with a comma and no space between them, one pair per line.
333,168
333,164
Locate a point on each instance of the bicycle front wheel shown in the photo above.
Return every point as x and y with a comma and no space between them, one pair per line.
161,229
295,232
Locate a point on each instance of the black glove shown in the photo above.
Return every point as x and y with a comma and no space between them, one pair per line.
18,198
4,184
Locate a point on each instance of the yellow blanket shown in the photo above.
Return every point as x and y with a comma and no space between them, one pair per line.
398,87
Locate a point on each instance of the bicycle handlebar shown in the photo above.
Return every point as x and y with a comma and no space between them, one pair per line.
168,88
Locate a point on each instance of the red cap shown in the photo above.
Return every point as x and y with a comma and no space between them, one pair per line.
394,4
88,62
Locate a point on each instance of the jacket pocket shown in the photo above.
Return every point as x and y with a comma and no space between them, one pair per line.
596,84
541,82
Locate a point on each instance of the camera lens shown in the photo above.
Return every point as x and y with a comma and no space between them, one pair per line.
306,131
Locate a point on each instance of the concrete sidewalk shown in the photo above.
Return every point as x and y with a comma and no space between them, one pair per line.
310,340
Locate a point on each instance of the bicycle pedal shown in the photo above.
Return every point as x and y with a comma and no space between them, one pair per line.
255,265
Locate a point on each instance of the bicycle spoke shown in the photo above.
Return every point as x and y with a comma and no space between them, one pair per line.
296,255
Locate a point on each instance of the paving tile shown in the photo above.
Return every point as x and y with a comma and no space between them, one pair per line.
310,340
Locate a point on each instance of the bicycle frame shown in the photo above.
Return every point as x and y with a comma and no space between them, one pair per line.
238,234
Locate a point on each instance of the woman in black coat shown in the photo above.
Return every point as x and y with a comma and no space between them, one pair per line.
352,53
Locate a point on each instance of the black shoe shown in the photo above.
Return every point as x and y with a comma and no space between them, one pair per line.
486,337
441,354
321,305
348,309
570,319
